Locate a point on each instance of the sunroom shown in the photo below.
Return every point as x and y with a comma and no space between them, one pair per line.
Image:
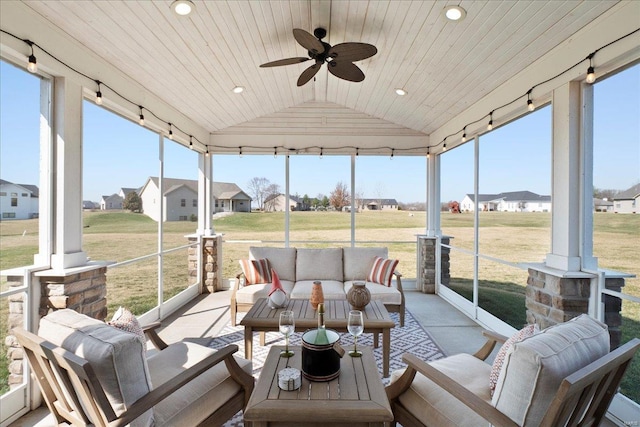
528,108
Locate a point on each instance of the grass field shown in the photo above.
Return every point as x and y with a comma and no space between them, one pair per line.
511,237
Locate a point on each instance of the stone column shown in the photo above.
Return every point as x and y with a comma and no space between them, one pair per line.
210,274
427,250
15,354
613,310
553,297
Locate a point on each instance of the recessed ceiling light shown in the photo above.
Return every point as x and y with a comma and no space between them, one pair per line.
182,7
454,13
400,91
238,89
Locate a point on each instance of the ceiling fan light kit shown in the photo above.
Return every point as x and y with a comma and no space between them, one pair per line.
339,58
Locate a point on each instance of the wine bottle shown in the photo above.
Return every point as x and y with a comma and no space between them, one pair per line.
321,335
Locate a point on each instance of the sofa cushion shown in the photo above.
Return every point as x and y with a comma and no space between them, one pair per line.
192,403
256,271
427,401
117,357
331,289
358,261
319,264
382,271
385,294
283,260
534,367
251,294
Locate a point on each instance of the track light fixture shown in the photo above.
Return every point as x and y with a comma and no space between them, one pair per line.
98,94
591,72
32,66
141,119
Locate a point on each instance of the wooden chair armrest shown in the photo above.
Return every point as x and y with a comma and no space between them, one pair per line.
398,281
493,338
156,395
150,331
458,391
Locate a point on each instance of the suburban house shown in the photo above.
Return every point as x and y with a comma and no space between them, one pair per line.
378,204
181,198
602,205
89,205
113,201
628,201
278,203
514,201
125,191
18,201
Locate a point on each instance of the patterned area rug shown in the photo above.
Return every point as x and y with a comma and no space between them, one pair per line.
411,338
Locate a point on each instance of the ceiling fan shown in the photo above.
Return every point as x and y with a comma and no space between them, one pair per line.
339,58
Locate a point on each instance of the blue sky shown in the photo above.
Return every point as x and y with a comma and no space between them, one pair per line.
118,153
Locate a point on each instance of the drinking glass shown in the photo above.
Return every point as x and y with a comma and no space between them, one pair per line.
287,326
355,326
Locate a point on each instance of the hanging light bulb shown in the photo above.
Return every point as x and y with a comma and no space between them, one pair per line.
207,152
191,142
275,152
444,146
357,152
490,125
428,153
392,150
591,72
239,151
32,66
171,133
141,119
321,152
530,105
98,94
464,134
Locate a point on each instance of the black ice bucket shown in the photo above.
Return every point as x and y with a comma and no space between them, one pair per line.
321,362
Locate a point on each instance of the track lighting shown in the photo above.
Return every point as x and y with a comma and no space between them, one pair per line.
98,94
141,119
32,66
464,134
490,125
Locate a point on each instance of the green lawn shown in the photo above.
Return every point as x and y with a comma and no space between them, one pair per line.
514,237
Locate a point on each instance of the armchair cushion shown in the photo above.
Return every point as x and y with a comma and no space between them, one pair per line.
427,401
534,367
190,405
319,264
125,320
118,357
498,362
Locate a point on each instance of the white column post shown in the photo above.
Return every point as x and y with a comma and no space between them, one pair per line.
433,196
67,186
205,195
566,181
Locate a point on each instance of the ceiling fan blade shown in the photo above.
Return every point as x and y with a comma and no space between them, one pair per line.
287,61
309,73
346,71
352,51
308,41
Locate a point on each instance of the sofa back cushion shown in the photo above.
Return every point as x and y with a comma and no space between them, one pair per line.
282,260
358,261
534,367
117,357
319,264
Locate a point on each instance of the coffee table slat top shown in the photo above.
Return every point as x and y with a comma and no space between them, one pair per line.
336,312
356,396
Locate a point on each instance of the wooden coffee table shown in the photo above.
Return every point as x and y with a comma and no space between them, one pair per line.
262,318
356,398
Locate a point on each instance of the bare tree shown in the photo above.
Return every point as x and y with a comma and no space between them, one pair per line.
257,188
271,194
359,196
340,196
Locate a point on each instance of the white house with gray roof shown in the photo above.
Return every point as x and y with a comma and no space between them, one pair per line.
514,201
18,201
181,198
628,201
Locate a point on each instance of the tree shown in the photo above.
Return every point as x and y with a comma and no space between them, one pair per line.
271,193
257,188
339,196
132,202
600,193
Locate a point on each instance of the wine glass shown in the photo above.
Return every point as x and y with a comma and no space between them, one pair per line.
287,326
355,326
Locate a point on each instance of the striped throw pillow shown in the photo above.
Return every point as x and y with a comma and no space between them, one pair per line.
256,271
382,271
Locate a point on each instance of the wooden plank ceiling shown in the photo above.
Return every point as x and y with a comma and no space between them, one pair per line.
194,62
